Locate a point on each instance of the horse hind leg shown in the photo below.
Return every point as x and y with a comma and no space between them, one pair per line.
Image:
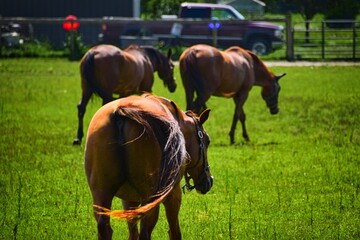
107,98
239,114
132,226
148,223
81,112
103,222
172,208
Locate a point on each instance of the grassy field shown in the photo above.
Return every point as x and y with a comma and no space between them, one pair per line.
298,177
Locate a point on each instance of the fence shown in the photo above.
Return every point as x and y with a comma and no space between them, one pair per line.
326,40
323,40
50,29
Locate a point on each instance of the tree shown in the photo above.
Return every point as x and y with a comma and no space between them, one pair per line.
308,9
152,9
342,9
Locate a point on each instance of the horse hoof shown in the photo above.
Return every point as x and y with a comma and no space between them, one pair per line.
76,142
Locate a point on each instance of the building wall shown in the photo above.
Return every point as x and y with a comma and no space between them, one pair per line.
56,8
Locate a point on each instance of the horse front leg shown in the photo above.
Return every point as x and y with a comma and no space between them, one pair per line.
239,114
81,112
172,208
148,223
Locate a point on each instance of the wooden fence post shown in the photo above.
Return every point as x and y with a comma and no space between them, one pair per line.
289,39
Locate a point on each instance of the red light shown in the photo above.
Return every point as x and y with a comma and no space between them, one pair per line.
70,24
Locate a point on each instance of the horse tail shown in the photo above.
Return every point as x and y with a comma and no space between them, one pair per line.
193,75
171,140
89,76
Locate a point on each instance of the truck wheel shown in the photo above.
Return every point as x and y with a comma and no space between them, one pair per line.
259,46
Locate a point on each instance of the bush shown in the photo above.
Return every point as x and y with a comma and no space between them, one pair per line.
345,10
31,49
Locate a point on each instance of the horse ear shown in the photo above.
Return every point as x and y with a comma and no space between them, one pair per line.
279,76
204,115
169,53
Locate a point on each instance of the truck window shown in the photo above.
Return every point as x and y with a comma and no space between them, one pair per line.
196,13
222,14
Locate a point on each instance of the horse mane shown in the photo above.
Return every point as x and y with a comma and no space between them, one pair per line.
258,64
172,143
156,57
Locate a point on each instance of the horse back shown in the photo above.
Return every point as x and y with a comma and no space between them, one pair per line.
217,72
118,71
257,66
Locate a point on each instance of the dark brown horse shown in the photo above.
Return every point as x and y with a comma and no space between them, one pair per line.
231,74
138,148
106,70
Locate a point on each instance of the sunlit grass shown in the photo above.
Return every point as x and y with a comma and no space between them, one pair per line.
298,177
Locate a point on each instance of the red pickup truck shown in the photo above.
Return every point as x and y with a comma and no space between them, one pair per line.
214,24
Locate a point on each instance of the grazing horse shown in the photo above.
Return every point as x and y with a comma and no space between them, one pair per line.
138,148
231,74
107,70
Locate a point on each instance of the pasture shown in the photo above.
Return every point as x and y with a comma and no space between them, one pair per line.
297,178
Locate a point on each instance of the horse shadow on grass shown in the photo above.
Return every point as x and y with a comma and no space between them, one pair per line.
247,143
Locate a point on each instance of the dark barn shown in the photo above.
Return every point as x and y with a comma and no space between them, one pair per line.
60,9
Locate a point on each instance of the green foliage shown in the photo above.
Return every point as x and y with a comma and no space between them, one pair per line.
153,9
74,49
333,9
74,46
298,177
342,9
31,49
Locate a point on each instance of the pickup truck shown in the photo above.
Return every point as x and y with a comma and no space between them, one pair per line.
219,25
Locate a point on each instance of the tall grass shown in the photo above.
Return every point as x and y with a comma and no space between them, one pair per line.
298,177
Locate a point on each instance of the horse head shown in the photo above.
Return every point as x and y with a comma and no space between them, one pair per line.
163,65
198,168
166,71
271,94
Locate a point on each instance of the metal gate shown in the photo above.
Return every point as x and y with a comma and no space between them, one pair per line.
326,40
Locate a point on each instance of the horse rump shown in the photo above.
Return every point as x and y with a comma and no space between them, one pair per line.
172,144
88,74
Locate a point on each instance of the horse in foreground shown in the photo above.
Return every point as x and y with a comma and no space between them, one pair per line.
107,70
138,148
231,74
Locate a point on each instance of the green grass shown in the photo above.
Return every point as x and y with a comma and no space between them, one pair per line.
298,177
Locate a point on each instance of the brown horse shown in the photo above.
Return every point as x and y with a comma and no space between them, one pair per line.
107,70
138,148
230,73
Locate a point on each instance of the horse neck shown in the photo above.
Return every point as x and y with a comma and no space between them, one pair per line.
154,58
263,77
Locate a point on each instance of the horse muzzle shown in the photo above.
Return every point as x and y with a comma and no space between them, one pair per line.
274,110
172,87
205,185
272,105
